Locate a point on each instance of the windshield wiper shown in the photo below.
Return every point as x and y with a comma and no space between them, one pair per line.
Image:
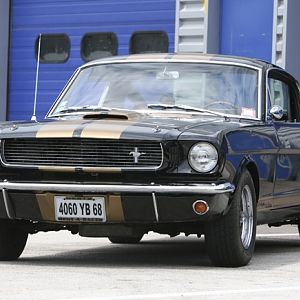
185,108
72,109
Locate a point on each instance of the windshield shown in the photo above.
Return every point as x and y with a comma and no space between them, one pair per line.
138,86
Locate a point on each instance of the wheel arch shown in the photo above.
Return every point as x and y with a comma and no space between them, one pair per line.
250,166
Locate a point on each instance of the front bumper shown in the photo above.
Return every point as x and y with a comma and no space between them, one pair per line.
126,203
210,189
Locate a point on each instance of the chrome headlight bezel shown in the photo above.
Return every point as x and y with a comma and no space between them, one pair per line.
203,157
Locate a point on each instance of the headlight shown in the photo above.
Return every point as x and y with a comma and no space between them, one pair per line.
203,157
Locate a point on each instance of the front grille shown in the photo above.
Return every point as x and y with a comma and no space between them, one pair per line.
81,152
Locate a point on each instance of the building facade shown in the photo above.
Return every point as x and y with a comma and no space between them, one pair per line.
71,32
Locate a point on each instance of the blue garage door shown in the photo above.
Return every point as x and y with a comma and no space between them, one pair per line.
246,28
70,21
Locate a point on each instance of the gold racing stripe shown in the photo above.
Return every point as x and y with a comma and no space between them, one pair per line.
64,129
107,130
114,210
189,56
46,204
57,169
147,56
169,56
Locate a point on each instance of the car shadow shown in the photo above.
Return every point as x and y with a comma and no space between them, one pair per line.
189,253
149,253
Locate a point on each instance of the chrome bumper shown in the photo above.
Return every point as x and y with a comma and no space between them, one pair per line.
120,188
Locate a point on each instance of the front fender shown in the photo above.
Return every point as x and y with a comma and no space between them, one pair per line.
261,168
246,163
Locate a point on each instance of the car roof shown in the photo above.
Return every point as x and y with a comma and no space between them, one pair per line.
186,57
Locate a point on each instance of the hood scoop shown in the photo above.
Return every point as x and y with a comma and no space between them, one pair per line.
109,116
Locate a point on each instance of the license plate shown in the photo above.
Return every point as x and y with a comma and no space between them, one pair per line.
79,208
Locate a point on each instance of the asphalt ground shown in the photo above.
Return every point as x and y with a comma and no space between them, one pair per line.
62,266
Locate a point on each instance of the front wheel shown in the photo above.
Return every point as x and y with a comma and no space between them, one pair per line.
230,240
12,240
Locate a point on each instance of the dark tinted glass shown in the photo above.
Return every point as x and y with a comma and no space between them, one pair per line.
55,48
149,42
98,45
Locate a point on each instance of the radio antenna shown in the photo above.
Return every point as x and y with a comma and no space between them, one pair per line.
33,117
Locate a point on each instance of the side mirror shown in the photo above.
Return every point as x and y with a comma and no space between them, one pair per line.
277,112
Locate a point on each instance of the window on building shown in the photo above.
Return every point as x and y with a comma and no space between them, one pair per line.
55,48
149,42
98,45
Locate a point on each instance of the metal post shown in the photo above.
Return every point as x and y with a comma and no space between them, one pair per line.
33,118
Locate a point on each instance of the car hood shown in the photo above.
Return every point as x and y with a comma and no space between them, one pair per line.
158,127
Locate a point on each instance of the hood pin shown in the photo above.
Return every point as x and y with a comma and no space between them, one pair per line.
13,127
157,129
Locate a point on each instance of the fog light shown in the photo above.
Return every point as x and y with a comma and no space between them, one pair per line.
200,207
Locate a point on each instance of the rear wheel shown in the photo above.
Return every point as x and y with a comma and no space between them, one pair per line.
12,240
230,240
125,240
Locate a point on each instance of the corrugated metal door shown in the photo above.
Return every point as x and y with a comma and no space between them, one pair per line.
74,18
246,28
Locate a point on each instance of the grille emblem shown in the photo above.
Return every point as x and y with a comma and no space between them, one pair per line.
136,154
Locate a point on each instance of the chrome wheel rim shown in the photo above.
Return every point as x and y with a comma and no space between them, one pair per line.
246,217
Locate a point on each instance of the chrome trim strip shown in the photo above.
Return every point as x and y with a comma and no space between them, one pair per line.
8,207
259,94
172,60
120,188
267,91
155,207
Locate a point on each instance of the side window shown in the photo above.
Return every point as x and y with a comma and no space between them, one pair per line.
98,45
55,48
284,93
149,42
279,94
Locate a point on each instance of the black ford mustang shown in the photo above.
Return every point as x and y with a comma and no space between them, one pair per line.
187,143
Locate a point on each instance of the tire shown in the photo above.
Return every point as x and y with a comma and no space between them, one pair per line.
230,240
125,240
12,240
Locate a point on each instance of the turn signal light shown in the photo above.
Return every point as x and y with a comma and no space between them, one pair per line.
200,207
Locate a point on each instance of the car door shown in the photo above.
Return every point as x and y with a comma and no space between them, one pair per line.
283,91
